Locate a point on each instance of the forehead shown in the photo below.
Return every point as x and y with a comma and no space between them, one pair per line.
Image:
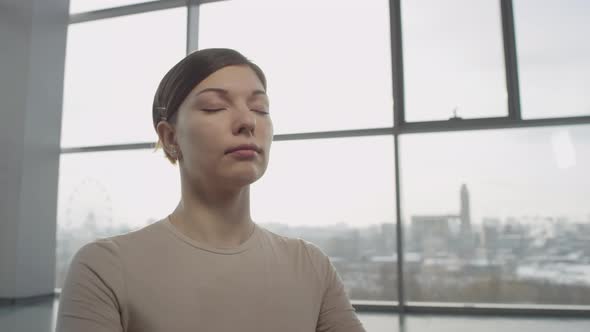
235,79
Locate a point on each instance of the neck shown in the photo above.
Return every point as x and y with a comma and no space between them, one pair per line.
217,217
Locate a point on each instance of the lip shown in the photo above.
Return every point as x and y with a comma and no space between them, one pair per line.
244,147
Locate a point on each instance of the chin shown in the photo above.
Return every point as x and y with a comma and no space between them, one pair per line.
244,177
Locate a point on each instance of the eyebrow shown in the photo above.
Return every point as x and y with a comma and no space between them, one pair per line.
225,92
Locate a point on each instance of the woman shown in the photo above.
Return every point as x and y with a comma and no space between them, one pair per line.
207,266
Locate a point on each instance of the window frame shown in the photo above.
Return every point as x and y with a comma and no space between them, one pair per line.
400,127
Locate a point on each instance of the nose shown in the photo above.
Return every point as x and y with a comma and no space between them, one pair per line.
244,122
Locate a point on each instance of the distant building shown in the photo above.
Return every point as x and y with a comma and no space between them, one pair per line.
432,235
387,242
467,238
465,213
491,234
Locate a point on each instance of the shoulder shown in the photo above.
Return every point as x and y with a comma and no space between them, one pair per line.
98,251
299,250
95,274
96,264
108,252
105,261
291,243
94,289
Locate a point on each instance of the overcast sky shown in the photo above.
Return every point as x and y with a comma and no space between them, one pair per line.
329,69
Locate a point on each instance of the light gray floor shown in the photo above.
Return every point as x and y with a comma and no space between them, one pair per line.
40,317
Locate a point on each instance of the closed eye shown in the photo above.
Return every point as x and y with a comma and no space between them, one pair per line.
261,112
212,110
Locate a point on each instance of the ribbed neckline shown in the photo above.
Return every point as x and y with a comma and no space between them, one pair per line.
249,243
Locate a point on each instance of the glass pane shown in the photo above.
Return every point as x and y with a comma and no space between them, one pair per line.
79,6
322,76
553,57
113,68
453,60
103,194
499,216
339,194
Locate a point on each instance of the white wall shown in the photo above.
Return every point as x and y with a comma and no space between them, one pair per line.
32,54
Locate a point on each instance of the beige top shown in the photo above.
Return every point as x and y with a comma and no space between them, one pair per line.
157,279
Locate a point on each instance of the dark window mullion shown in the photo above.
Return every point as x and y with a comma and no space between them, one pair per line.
397,75
192,26
397,64
510,58
139,8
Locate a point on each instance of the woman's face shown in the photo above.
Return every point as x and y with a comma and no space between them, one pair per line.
226,110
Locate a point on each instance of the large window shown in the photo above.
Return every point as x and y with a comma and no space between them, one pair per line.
493,202
113,67
554,57
328,61
453,59
499,216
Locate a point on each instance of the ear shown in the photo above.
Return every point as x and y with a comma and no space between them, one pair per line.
167,134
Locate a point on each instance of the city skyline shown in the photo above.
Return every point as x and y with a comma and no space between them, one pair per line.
445,259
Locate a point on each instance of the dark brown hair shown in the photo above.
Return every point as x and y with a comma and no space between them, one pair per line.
188,73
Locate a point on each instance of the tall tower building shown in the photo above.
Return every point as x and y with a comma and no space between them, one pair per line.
466,235
465,214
